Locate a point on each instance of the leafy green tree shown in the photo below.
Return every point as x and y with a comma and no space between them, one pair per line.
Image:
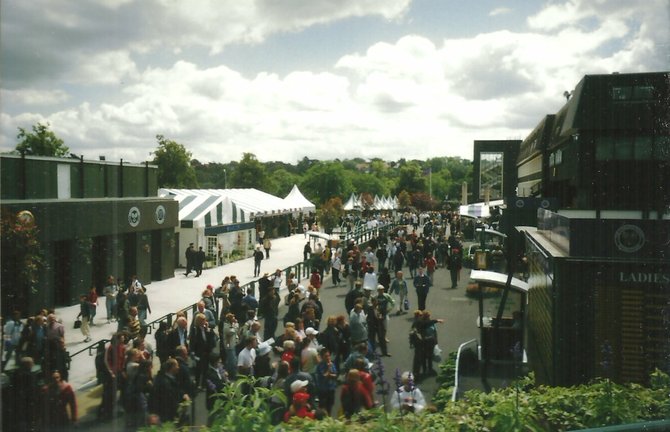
41,142
283,181
250,173
412,178
174,164
325,180
211,175
372,184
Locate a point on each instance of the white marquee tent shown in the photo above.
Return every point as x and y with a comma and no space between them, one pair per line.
296,199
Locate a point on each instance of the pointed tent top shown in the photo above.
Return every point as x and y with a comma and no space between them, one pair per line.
296,199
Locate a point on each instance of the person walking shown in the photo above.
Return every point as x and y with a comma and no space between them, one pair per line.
399,288
422,285
143,307
190,258
199,261
335,266
85,315
267,245
93,300
258,257
455,263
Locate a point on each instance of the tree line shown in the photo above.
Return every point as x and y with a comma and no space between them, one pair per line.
425,184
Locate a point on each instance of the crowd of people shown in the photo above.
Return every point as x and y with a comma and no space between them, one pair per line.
234,333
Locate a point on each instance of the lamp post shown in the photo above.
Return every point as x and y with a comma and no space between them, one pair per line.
225,179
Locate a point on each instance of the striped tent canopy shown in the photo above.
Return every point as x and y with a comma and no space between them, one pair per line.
203,208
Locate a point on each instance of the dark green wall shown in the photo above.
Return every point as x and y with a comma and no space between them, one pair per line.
38,178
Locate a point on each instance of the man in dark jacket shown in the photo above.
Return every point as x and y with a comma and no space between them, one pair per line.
190,257
178,336
167,394
199,261
422,285
258,257
184,376
352,295
269,309
201,343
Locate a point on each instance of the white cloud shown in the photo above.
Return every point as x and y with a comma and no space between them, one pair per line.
500,11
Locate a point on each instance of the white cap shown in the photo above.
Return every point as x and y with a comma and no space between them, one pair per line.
298,384
311,331
264,348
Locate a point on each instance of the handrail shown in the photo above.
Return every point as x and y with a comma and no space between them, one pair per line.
89,347
456,371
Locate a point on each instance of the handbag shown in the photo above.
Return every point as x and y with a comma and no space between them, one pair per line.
437,353
77,324
405,304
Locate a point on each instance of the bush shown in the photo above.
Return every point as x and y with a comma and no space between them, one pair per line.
523,406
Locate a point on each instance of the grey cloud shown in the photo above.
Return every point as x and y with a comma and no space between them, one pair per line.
386,103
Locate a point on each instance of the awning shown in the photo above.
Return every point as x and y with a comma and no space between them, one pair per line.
499,279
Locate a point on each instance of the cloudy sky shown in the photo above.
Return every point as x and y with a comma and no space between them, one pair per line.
324,79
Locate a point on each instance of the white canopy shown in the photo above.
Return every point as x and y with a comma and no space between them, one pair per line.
296,199
499,279
479,210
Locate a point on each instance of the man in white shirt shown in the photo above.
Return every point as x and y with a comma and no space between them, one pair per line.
277,280
247,357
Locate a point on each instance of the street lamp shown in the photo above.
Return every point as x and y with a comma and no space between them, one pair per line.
225,179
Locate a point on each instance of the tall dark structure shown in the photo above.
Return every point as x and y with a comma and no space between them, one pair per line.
599,297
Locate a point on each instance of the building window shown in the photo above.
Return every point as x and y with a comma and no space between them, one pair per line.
211,247
633,93
643,92
632,148
621,93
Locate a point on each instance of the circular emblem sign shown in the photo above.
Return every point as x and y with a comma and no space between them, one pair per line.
159,214
25,218
629,238
134,216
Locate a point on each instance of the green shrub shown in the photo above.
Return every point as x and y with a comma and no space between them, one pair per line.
523,406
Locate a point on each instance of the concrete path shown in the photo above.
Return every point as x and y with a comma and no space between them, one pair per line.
169,296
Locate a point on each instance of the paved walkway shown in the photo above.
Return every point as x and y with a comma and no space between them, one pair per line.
169,296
